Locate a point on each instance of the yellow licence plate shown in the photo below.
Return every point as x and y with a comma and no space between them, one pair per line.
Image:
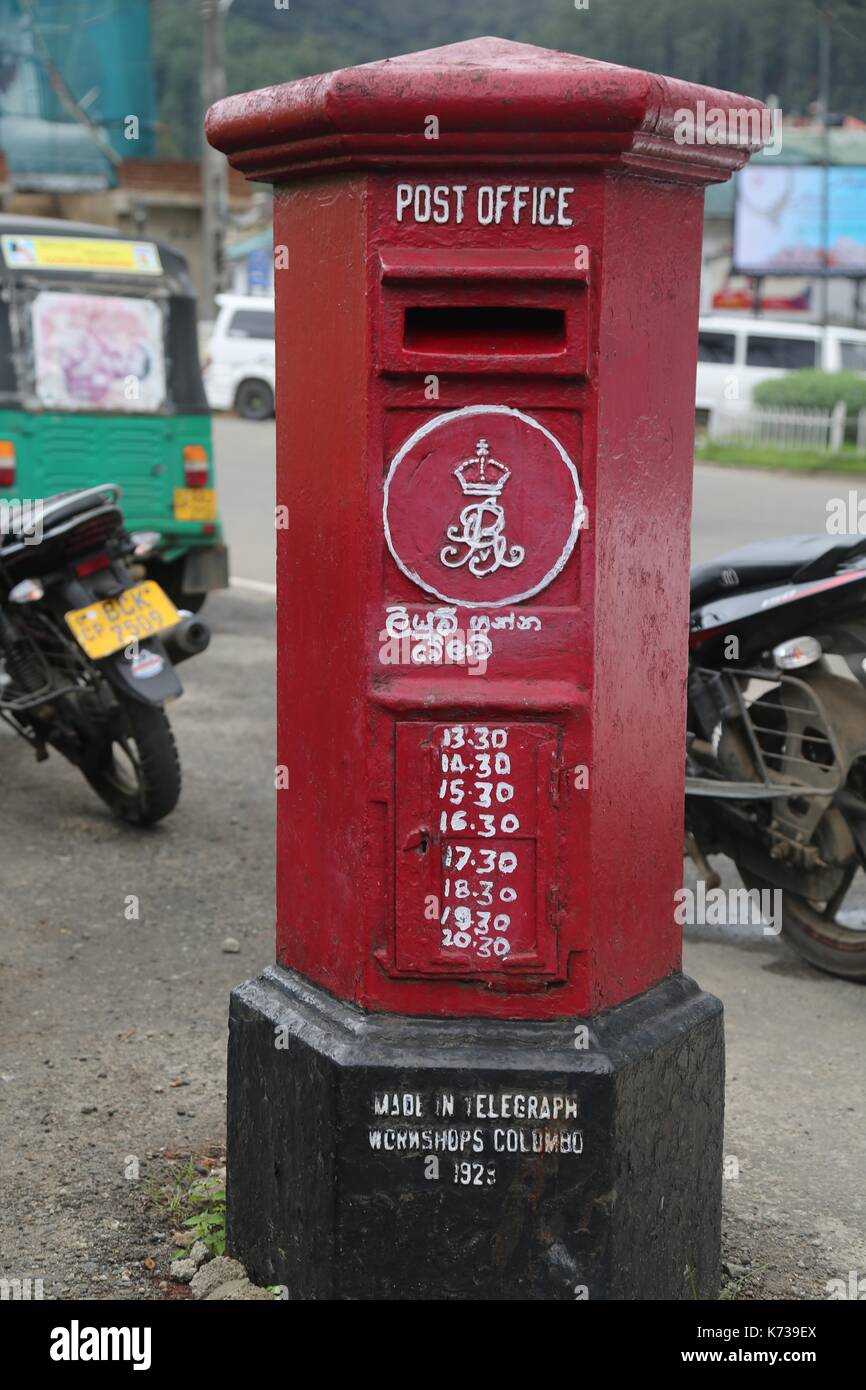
195,504
108,624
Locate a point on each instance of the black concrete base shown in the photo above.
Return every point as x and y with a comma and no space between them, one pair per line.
378,1157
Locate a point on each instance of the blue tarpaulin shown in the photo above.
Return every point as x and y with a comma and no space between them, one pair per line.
72,73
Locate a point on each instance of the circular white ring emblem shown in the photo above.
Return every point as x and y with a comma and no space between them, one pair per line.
482,507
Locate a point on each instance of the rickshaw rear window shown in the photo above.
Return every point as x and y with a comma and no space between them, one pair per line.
98,352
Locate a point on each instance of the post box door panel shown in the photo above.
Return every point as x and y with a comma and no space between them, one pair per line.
476,851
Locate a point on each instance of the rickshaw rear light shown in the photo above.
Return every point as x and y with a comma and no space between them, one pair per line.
7,463
196,467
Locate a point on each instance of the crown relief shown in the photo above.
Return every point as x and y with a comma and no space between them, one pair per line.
482,476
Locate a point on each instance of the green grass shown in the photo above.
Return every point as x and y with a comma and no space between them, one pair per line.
191,1196
208,1222
170,1191
784,460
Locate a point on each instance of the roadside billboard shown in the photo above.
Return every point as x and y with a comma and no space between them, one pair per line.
779,222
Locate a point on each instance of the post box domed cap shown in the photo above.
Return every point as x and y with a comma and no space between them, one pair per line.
492,100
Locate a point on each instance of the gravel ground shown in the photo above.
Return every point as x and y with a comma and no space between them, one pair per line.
113,1051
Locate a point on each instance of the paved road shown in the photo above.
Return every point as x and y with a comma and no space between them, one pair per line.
244,452
733,508
114,1030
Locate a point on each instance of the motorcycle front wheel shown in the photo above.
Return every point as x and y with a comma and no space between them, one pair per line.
817,932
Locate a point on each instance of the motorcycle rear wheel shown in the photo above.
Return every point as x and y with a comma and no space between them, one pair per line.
137,772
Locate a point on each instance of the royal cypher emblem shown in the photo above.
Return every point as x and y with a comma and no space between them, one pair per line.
478,539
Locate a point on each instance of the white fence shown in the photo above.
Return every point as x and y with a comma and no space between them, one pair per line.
786,429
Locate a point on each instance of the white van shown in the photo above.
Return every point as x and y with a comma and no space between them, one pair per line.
737,351
238,368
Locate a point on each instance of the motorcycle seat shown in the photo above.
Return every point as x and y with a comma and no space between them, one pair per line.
765,563
63,506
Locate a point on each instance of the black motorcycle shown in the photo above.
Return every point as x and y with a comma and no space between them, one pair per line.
87,654
776,743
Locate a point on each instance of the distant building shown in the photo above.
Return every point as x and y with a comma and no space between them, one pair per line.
76,91
78,124
251,261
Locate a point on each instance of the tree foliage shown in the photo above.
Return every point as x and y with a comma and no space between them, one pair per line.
762,47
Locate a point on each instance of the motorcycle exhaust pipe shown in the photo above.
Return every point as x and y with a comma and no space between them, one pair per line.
187,638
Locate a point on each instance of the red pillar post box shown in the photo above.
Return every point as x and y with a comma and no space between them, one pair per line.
477,1070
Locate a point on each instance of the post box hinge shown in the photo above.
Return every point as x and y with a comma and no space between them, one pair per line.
555,907
556,775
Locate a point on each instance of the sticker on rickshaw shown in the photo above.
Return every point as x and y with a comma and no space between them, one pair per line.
80,253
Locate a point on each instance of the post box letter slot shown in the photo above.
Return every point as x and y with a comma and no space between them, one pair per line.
481,328
519,312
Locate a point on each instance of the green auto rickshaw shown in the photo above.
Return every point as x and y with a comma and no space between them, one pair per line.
100,382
